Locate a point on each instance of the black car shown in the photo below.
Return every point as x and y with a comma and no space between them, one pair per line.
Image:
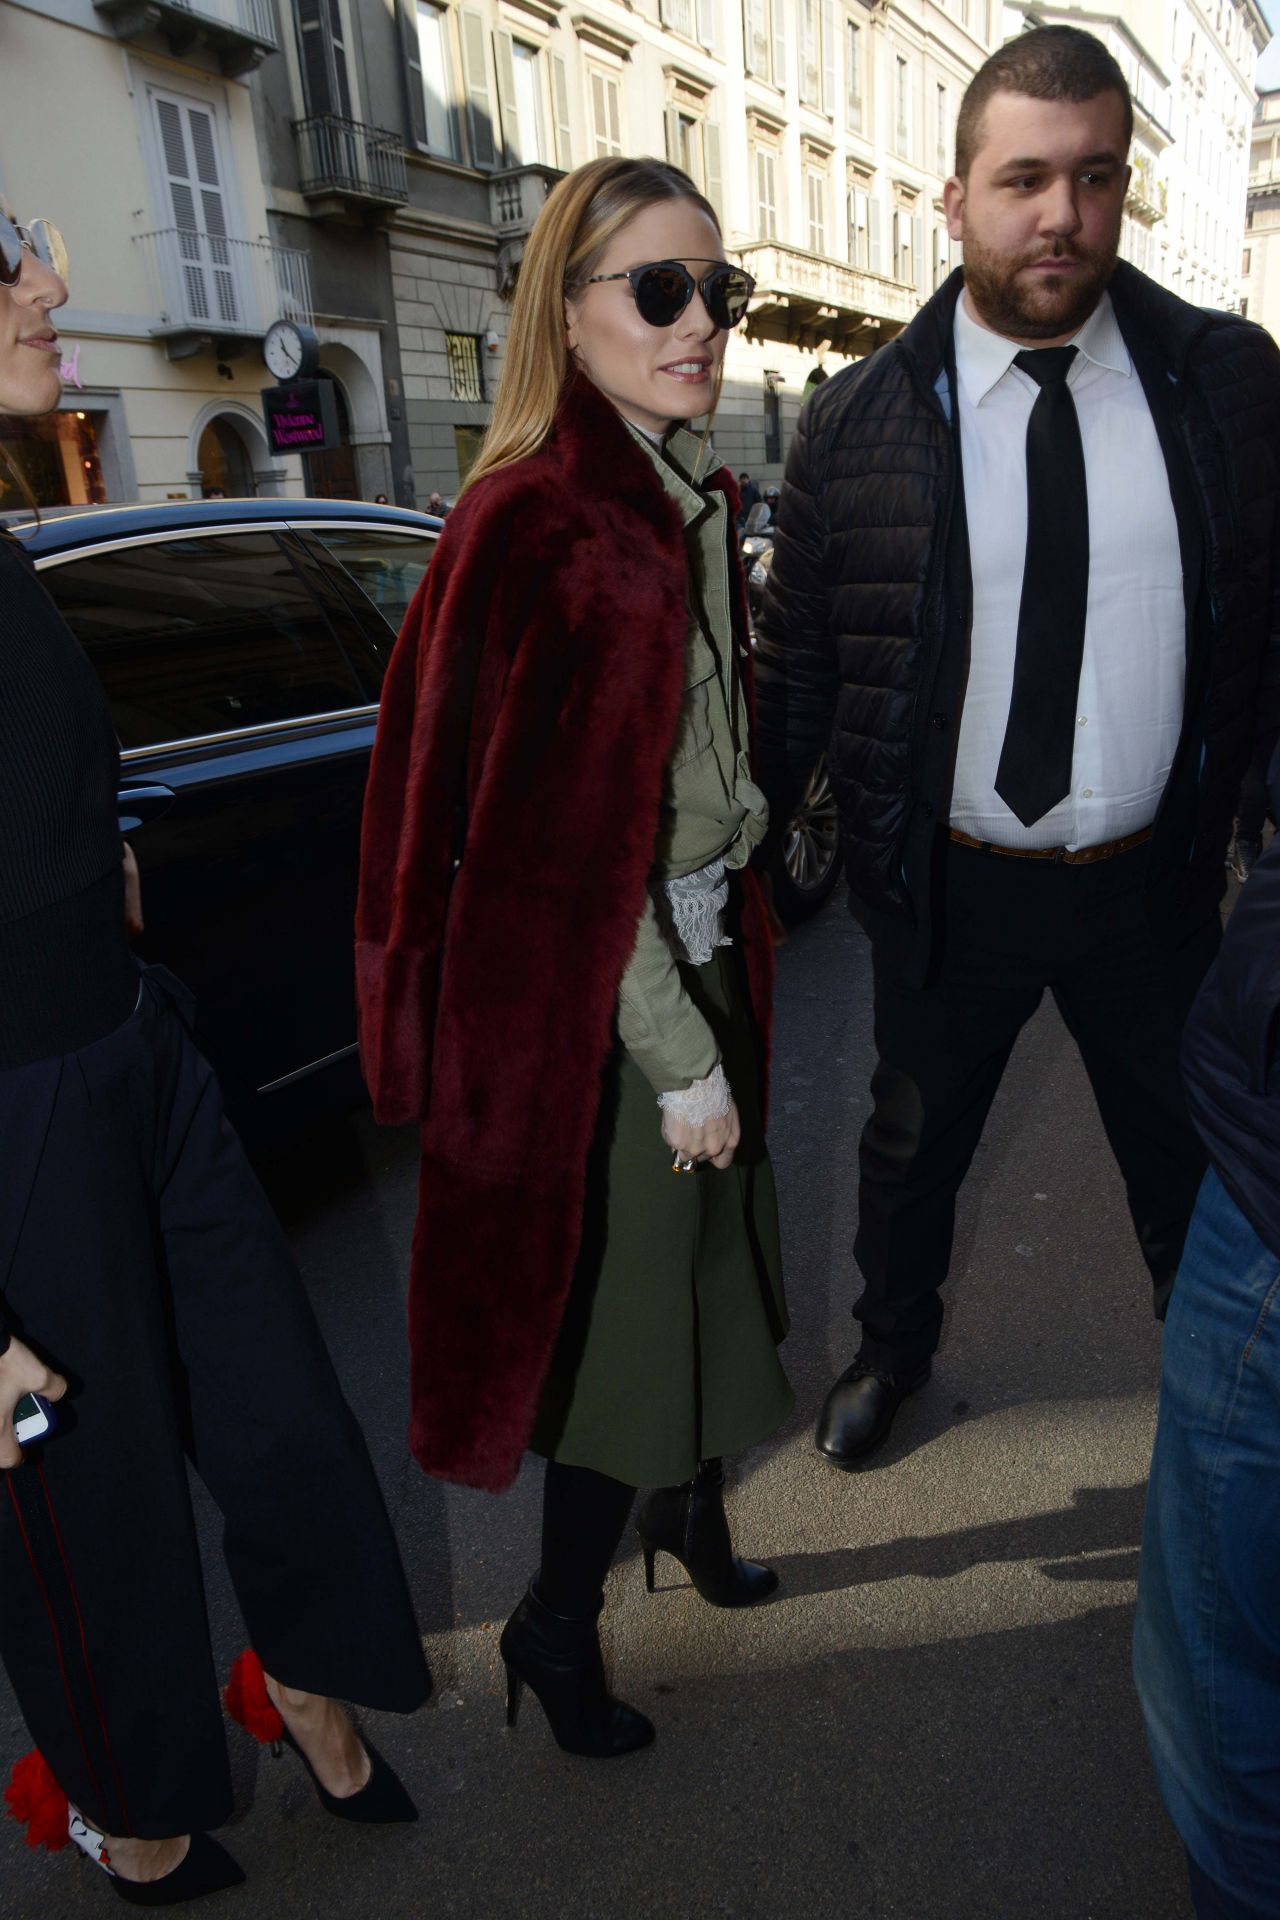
242,645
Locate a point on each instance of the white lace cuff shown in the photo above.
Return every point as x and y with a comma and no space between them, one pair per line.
697,902
708,1099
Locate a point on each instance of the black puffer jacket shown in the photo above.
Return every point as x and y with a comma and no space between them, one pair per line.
864,629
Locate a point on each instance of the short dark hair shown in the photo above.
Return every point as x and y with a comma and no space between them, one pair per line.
1046,63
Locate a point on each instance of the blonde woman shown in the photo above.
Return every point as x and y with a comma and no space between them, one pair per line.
564,967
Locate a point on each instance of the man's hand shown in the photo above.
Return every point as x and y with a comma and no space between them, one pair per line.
132,894
21,1372
715,1140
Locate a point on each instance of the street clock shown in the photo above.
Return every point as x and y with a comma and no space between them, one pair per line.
291,352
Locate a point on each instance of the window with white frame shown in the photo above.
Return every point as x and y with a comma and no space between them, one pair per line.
695,19
903,253
201,267
942,121
524,116
533,93
766,194
437,79
693,143
853,75
815,187
818,54
764,40
859,228
606,114
902,105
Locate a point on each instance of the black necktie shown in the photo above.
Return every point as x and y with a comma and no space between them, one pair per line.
1035,762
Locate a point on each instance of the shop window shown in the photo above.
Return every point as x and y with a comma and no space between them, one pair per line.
466,369
467,442
57,454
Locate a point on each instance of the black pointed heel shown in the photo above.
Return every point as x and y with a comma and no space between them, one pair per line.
381,1801
204,1868
559,1660
690,1524
515,1687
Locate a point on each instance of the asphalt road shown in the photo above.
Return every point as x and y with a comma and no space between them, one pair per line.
934,1720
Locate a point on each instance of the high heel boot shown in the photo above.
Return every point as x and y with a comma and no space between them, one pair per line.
559,1659
690,1524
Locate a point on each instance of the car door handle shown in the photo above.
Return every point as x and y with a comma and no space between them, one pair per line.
139,805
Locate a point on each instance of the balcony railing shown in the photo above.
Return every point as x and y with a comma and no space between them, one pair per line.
240,32
345,160
206,285
516,197
785,277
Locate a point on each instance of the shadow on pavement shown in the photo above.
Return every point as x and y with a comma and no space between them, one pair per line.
1098,1519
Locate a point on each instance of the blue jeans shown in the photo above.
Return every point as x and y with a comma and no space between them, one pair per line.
1207,1639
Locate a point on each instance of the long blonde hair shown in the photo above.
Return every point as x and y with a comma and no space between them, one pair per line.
582,214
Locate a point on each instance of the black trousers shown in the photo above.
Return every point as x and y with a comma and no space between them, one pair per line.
140,1256
1013,928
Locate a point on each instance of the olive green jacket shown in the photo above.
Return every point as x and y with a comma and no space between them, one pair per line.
711,808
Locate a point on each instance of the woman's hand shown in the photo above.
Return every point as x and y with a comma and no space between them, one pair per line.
132,893
21,1372
714,1141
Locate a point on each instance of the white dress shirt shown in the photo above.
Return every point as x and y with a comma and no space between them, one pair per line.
1134,669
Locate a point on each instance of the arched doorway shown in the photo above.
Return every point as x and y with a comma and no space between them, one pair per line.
331,475
224,460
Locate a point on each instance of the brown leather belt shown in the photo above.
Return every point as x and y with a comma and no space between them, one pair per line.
1080,857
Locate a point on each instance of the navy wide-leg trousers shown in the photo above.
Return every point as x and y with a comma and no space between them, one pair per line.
140,1257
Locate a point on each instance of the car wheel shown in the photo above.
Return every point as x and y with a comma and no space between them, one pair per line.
807,864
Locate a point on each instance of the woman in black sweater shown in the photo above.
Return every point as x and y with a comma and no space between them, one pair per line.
141,1264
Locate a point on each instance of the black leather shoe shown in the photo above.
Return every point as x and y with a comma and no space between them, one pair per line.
858,1413
690,1524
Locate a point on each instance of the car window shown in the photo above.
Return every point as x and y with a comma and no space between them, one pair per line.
195,636
387,566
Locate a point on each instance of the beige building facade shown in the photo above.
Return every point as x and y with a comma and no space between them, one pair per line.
1260,256
820,129
174,278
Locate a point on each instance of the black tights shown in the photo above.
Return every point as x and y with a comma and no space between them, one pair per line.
583,1515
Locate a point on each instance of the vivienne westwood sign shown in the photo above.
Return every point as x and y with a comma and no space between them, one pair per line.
302,418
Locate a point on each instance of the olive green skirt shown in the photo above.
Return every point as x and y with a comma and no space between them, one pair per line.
668,1353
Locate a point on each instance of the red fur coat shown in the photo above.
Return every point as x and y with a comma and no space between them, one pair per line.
487,1011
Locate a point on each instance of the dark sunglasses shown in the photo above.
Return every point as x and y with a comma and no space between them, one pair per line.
39,238
663,289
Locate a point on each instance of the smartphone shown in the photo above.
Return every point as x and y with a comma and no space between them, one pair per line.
33,1419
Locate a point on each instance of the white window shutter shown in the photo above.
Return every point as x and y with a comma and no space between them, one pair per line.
779,25
560,106
706,10
671,127
504,67
917,253
876,212
475,69
829,96
713,186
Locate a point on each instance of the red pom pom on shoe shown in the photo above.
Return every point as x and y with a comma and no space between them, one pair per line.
37,1802
246,1699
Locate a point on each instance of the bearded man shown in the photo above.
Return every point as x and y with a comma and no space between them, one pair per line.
1024,585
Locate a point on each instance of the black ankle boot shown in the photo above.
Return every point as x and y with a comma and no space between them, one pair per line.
689,1523
559,1658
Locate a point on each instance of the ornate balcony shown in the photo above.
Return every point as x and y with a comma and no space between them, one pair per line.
516,196
240,33
804,298
209,290
346,164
